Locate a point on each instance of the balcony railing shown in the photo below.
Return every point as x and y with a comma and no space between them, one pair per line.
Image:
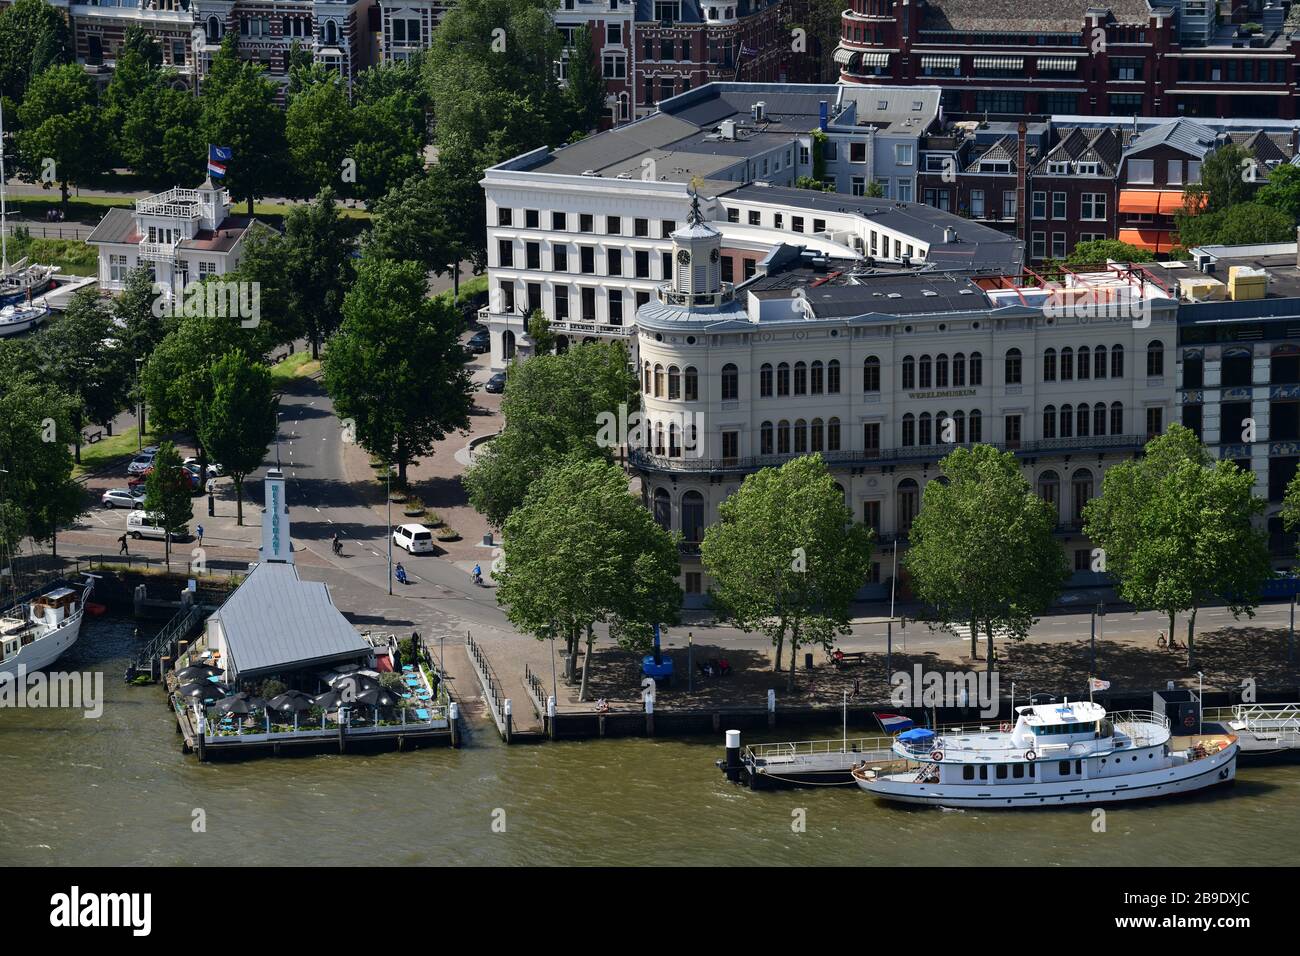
174,203
158,251
860,458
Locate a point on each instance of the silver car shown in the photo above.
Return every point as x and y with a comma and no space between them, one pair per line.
139,463
121,498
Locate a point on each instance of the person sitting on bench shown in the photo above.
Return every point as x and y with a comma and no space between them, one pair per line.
724,667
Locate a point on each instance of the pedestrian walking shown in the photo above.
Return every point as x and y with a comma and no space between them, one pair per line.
122,541
199,531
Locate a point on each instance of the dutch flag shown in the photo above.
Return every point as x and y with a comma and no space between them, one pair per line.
893,724
218,156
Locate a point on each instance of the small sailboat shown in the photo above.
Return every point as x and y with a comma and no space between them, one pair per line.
15,319
23,281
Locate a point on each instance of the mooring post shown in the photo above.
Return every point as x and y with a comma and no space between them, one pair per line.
650,715
550,716
733,756
507,711
453,716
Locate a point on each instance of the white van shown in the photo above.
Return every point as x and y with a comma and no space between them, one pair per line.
415,538
145,524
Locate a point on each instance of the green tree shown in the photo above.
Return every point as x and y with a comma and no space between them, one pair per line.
239,422
1228,178
81,357
981,550
415,221
1178,528
1097,251
1248,223
315,259
37,493
168,496
389,143
553,407
319,129
807,182
239,111
176,379
135,310
787,557
580,551
1282,191
134,77
396,366
585,89
61,124
162,136
539,330
33,37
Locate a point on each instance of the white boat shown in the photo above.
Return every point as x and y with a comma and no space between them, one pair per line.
1054,755
23,281
35,632
16,319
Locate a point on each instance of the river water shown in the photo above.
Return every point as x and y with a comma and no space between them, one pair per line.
118,790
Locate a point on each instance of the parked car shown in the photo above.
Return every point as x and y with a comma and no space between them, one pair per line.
479,342
145,524
122,498
415,538
138,480
140,463
214,469
497,383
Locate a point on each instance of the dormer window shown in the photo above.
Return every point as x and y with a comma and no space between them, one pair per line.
1058,169
1087,169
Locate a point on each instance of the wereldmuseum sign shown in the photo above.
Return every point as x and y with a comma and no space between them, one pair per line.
950,393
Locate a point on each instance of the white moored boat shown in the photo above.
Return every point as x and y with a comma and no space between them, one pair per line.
36,631
1054,755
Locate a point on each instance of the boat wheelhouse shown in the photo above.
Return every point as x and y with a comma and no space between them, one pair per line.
1054,754
36,630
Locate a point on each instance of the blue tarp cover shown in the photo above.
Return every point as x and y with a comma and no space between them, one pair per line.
919,733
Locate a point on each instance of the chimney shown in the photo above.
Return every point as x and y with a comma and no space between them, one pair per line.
759,111
1021,162
823,110
1295,140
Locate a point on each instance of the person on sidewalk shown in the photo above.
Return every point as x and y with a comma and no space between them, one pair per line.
122,542
199,531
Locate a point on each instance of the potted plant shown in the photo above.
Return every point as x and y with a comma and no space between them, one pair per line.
414,507
447,533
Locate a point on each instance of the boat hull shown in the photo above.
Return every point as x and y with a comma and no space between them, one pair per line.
47,650
1209,771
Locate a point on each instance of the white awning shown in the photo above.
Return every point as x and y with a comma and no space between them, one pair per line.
875,59
843,55
1057,64
999,63
940,62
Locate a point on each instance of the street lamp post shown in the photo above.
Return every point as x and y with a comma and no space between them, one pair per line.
389,496
139,407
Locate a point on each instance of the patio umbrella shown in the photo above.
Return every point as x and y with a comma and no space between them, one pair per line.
197,672
241,703
204,690
378,697
328,700
352,684
291,702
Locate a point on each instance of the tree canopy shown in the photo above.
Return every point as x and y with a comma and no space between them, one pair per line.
239,423
62,139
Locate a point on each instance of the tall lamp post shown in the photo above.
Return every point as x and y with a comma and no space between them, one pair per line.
389,496
139,407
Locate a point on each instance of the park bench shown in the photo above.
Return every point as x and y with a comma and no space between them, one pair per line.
841,660
93,436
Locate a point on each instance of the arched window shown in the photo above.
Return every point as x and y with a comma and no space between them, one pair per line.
692,517
941,371
1081,488
1117,361
909,372
1049,421
959,427
1067,364
816,442
1013,369
1049,489
975,425
1099,362
648,378
833,434
663,509
691,382
941,429
977,368
765,381
783,437
783,379
508,344
1067,421
800,437
1084,363
214,30
924,436
833,377
659,438
958,370
660,382
1082,418
1099,418
818,378
908,495
331,32
674,441
1116,417
871,374
730,383
925,371
674,382
1049,365
765,439
800,378
1155,359
909,430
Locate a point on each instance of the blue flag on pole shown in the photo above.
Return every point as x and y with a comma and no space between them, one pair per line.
218,156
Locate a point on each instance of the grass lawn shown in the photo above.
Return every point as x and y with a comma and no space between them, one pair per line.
468,289
104,452
297,365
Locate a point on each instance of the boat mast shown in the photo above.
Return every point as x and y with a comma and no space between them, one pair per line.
4,225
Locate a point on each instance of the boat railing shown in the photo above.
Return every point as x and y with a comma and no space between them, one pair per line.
1143,727
812,748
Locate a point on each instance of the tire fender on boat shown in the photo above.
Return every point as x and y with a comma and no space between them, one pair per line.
1030,755
936,755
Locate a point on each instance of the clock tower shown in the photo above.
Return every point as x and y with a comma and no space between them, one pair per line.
697,258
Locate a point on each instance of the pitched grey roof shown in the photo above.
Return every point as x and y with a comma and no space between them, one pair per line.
276,622
1181,134
1078,145
118,225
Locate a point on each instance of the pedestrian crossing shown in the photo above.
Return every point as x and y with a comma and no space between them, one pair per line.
962,632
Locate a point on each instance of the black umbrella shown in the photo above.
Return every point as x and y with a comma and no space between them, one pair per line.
205,690
241,703
198,672
328,700
378,697
290,702
353,684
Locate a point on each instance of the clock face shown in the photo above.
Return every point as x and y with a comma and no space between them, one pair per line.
713,255
684,257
